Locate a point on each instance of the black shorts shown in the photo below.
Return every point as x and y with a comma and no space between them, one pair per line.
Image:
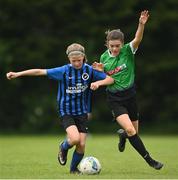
124,106
80,121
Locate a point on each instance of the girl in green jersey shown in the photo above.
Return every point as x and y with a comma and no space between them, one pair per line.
118,62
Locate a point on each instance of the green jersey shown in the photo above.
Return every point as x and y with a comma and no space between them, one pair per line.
121,68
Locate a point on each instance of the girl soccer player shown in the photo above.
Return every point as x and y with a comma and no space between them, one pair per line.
118,62
76,80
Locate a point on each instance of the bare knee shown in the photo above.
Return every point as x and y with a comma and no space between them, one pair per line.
130,131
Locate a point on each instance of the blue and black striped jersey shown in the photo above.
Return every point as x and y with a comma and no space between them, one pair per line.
74,94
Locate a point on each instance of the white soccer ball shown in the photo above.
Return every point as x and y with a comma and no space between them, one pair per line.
90,165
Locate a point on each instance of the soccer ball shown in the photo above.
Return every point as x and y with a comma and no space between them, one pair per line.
90,165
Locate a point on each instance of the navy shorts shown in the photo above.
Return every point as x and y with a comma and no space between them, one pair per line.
124,106
81,121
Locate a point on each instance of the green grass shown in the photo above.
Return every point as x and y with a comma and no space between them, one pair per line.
35,157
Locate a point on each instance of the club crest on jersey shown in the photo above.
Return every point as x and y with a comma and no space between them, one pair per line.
85,76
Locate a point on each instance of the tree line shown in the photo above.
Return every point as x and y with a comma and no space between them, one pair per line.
35,34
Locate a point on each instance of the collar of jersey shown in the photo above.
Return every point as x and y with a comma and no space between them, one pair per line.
110,54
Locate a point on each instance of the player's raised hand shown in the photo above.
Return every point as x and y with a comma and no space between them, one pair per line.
144,17
98,66
11,75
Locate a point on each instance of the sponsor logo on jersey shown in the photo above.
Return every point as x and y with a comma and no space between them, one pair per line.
116,70
79,88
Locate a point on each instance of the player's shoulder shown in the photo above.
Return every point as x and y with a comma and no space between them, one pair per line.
60,69
85,65
130,48
64,67
104,56
104,53
67,67
127,48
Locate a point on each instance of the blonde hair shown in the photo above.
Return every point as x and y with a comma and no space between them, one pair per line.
76,49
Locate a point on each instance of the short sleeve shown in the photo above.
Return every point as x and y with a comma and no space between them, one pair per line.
132,48
98,75
56,73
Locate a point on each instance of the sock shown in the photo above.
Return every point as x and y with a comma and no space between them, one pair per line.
76,158
149,160
137,143
65,145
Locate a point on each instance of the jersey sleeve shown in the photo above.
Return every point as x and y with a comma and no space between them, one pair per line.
132,48
98,75
56,73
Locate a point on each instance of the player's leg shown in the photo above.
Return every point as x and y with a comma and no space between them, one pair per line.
73,138
129,107
78,153
81,123
117,109
123,136
122,139
132,109
136,125
126,123
135,140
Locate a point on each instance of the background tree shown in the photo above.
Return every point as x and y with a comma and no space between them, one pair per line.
35,34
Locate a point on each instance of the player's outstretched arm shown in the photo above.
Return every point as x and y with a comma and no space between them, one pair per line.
140,30
30,72
107,81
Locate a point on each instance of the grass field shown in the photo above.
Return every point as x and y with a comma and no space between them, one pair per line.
35,157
